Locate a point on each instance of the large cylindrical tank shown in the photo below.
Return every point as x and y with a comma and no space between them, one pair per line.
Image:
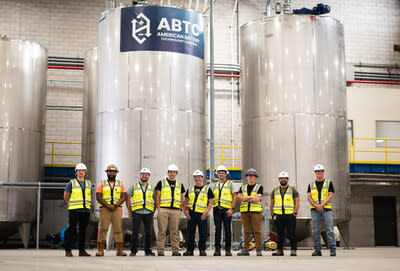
23,81
294,104
89,112
151,92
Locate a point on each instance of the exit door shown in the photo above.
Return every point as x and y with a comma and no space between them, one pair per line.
385,223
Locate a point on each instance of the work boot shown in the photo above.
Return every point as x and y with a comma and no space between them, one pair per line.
188,253
217,251
100,249
68,254
293,252
317,253
175,253
160,253
243,253
83,253
203,253
228,252
132,254
149,253
279,252
259,252
120,249
333,253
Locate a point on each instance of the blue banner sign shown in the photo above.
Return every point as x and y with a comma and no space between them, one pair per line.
154,28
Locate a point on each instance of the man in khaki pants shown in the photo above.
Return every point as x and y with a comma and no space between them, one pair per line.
110,195
169,201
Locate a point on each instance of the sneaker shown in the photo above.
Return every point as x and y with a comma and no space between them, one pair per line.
317,253
176,254
333,253
243,253
203,253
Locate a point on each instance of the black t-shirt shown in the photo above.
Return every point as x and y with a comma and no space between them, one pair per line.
172,185
319,188
250,189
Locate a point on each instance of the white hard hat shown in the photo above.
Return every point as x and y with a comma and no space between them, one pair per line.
173,167
198,173
318,167
222,168
80,166
145,170
283,174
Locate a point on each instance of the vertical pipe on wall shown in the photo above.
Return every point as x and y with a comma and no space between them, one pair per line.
212,141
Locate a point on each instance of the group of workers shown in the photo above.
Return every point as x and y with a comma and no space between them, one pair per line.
169,198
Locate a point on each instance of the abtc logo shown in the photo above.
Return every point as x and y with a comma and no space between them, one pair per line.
141,33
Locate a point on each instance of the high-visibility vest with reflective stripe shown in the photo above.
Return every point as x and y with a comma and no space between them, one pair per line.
77,199
287,203
166,197
324,193
142,199
225,198
254,206
115,196
201,201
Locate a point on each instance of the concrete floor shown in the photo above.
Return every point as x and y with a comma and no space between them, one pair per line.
354,259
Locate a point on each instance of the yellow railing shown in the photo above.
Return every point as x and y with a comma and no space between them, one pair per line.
359,147
54,153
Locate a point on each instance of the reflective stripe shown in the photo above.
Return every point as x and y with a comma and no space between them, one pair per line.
223,197
287,202
142,199
111,196
324,194
251,206
77,199
199,204
166,194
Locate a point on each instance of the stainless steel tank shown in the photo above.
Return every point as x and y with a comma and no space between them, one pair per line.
150,100
294,104
23,81
89,112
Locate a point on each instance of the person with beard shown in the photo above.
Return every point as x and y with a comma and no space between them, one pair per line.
284,205
140,205
110,195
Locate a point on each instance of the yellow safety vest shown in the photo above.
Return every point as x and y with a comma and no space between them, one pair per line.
201,202
254,206
287,204
166,197
225,198
115,196
142,199
77,199
324,193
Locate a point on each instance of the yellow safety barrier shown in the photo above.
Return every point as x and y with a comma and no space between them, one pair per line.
54,154
360,146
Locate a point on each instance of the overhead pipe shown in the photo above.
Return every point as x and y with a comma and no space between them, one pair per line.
224,75
65,67
372,82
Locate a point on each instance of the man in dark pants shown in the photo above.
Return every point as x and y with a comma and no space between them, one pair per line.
198,203
284,205
224,203
140,205
78,195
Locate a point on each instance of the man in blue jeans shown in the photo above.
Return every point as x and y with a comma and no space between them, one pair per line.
320,195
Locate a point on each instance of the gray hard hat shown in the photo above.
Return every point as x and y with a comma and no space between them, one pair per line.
251,171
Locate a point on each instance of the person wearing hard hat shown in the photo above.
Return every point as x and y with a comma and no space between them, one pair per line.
284,205
225,198
320,195
110,195
169,202
140,205
198,203
251,211
78,195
